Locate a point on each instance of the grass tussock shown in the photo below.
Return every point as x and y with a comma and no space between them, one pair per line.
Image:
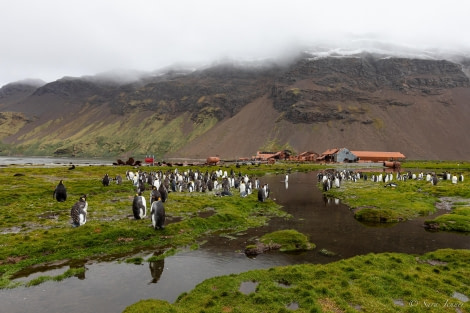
456,220
288,240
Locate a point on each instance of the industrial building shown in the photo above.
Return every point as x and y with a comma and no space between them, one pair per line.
343,155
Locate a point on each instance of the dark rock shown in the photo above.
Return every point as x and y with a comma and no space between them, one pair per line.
356,79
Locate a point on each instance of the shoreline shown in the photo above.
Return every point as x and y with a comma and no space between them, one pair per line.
51,161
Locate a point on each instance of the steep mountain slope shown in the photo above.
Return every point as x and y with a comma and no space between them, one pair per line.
418,107
362,102
427,130
11,93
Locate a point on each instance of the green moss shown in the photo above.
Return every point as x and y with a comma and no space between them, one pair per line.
457,220
378,215
437,165
150,305
380,283
289,240
371,282
372,202
36,229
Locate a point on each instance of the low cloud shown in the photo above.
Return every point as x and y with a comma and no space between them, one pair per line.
50,39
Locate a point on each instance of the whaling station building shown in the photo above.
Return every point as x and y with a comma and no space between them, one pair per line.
335,155
344,155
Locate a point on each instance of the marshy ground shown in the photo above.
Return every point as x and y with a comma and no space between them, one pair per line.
35,230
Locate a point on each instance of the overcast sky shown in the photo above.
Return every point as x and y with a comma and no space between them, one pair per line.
49,39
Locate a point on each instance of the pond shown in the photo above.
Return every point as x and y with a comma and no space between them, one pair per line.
52,161
113,285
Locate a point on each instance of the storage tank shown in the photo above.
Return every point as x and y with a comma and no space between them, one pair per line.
212,160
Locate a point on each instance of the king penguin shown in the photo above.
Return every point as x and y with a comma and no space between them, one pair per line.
139,206
157,214
261,194
105,180
79,212
60,192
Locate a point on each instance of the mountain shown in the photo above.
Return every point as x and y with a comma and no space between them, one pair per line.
362,101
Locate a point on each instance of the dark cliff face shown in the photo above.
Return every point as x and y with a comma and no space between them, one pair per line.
358,80
18,91
75,89
309,90
13,89
220,91
370,73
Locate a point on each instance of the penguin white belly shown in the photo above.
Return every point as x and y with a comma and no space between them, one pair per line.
82,218
154,221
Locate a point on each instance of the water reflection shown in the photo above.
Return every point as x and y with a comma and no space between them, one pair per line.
331,225
156,270
330,200
248,287
50,269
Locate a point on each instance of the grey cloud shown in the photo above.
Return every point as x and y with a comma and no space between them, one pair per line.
50,39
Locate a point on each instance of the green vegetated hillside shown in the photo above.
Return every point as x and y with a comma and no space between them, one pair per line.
361,102
137,134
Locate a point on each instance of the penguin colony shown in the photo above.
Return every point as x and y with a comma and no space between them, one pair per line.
333,178
160,184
